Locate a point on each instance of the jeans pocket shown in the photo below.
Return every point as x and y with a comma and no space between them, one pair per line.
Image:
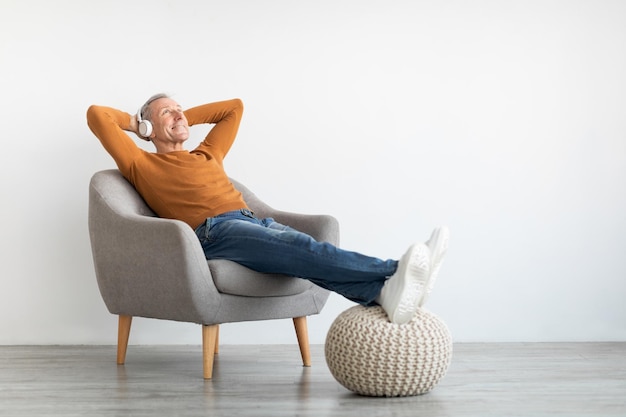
203,231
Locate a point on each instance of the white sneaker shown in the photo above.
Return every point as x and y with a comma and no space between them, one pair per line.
438,246
402,292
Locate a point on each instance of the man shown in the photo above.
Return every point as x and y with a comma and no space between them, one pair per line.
193,187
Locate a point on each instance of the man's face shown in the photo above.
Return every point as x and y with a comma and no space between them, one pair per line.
168,121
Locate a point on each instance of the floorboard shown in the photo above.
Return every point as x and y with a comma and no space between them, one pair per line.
518,379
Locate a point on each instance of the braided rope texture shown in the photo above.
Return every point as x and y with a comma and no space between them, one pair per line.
371,356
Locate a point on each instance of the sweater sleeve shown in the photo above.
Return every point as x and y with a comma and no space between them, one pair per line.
108,125
227,116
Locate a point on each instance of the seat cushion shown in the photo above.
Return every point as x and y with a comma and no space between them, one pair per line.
232,278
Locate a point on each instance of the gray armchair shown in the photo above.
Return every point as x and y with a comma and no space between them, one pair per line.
151,267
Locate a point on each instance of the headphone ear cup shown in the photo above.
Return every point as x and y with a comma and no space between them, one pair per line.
145,128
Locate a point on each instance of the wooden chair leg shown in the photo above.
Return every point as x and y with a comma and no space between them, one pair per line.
209,339
302,333
123,332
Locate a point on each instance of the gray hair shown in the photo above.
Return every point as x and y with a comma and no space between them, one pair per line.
146,112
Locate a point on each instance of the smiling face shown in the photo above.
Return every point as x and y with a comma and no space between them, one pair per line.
169,124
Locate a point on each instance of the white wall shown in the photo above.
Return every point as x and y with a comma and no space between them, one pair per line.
505,120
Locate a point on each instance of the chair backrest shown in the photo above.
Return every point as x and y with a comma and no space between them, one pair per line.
120,194
123,197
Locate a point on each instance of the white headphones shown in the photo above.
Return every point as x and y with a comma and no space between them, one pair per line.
144,126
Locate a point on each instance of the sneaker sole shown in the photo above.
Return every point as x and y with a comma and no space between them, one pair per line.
438,245
415,277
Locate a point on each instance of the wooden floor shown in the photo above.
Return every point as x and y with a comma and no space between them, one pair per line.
570,379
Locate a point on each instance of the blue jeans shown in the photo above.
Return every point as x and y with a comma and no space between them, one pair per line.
266,246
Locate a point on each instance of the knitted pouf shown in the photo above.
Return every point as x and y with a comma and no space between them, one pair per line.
369,355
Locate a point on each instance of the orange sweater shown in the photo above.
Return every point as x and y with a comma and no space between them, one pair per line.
183,185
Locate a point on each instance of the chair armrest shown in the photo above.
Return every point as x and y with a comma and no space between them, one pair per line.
160,271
